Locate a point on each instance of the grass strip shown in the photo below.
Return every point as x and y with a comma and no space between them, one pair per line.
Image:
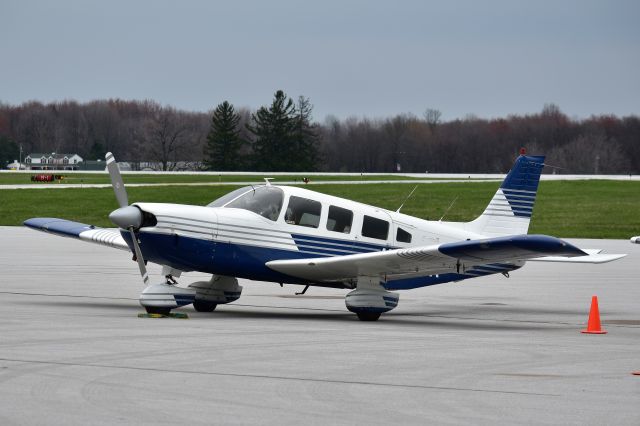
580,209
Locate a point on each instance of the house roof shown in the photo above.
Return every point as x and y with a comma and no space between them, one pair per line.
54,155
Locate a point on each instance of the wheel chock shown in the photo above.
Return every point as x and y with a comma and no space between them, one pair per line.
144,315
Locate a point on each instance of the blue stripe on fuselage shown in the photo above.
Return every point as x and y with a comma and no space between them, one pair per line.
333,243
247,261
221,258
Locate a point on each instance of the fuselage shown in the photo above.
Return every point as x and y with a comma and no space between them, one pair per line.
239,233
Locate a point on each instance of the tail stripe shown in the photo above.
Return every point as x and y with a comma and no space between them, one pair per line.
533,193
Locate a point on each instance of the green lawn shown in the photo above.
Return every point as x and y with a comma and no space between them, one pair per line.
588,209
97,178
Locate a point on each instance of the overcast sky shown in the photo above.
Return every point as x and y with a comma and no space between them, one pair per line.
351,58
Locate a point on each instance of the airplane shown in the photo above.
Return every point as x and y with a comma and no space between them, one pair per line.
286,234
635,240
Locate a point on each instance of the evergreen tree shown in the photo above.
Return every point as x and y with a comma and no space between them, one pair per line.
97,152
9,151
273,128
305,155
222,151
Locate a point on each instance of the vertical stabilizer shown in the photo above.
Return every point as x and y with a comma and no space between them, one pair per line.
509,211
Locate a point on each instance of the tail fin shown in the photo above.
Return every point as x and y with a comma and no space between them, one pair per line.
509,211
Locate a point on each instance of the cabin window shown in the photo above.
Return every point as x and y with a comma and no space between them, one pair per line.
263,200
303,212
375,228
339,220
403,236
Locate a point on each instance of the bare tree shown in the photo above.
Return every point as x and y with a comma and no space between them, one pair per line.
432,117
167,133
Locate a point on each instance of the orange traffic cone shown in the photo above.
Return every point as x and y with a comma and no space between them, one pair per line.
594,319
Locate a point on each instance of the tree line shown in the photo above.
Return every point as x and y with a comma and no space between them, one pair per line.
283,136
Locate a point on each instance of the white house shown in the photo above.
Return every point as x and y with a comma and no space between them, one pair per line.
52,161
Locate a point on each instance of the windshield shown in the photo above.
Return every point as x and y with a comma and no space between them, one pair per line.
230,196
263,200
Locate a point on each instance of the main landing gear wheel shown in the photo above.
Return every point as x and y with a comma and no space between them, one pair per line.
157,310
204,306
368,316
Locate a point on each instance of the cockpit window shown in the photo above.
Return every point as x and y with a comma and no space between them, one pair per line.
230,196
263,200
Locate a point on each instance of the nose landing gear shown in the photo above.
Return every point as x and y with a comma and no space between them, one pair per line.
162,298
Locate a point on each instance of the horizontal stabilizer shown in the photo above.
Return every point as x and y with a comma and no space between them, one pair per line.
81,231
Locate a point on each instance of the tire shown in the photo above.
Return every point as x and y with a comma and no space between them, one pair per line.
204,306
157,310
368,316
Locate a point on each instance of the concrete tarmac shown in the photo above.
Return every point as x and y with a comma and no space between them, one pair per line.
490,350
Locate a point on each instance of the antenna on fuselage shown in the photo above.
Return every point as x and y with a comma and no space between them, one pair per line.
268,181
407,199
448,208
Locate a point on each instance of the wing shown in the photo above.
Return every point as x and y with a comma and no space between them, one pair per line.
81,231
593,256
428,260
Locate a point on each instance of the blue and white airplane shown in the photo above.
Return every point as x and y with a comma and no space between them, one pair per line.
286,234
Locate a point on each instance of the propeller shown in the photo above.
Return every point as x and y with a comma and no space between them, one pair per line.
126,217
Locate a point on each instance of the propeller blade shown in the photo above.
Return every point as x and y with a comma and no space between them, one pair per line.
139,258
116,180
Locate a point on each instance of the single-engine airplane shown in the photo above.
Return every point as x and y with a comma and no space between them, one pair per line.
287,234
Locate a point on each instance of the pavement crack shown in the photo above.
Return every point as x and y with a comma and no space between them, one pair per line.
275,377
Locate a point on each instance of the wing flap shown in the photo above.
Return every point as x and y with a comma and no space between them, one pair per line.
89,233
427,260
